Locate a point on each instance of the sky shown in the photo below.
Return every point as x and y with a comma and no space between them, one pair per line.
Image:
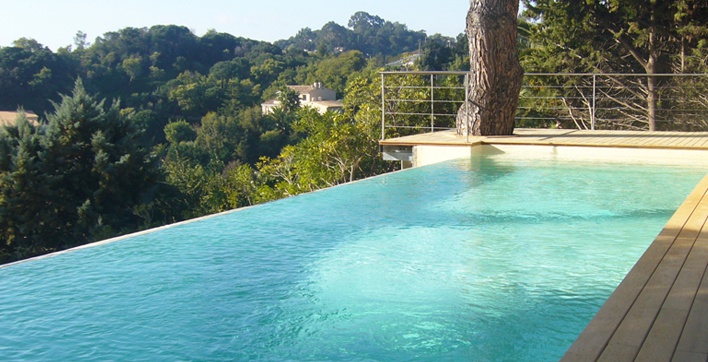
54,23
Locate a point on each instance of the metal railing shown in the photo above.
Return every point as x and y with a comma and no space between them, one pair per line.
408,98
416,102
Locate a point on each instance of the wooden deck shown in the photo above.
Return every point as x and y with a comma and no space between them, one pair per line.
565,137
660,310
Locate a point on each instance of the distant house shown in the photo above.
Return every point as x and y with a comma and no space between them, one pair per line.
316,96
7,118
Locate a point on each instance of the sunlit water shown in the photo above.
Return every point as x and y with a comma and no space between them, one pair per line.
485,260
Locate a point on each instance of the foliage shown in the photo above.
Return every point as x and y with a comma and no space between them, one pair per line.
369,34
334,71
73,181
333,152
436,53
180,132
621,36
31,75
335,147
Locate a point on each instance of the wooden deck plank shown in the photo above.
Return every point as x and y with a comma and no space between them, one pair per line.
696,141
669,140
683,141
694,338
638,140
684,291
663,336
703,142
632,139
599,331
681,356
669,324
636,325
686,141
651,140
639,321
693,142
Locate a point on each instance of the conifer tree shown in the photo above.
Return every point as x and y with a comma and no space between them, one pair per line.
74,180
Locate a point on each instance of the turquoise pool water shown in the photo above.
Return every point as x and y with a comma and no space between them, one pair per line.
488,260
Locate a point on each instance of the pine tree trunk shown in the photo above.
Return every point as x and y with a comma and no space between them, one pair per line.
651,101
495,72
650,68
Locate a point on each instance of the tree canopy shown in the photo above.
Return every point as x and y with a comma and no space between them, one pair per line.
369,34
620,36
75,180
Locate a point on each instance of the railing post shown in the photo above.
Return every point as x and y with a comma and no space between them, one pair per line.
594,97
383,107
467,106
432,103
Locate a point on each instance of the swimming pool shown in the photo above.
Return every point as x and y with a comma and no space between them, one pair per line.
491,259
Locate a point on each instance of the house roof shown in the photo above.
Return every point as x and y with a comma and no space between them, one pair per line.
7,118
306,89
302,88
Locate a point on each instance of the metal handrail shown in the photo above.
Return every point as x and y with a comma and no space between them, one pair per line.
593,101
432,100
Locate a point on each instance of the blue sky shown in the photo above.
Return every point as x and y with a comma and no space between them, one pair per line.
54,23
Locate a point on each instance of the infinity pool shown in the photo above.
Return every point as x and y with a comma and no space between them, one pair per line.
491,259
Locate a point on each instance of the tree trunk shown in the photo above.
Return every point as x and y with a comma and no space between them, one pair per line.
651,101
495,72
650,68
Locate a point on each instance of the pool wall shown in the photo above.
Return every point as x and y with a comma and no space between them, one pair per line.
429,154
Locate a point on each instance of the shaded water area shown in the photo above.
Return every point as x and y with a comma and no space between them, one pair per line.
491,259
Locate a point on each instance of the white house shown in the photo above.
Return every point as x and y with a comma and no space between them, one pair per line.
316,96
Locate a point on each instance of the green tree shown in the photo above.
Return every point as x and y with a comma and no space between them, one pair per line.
436,53
23,189
179,132
334,148
620,36
74,181
262,135
219,135
31,76
195,94
133,66
334,72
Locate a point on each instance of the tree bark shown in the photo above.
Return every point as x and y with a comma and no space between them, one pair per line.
495,72
651,101
651,70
